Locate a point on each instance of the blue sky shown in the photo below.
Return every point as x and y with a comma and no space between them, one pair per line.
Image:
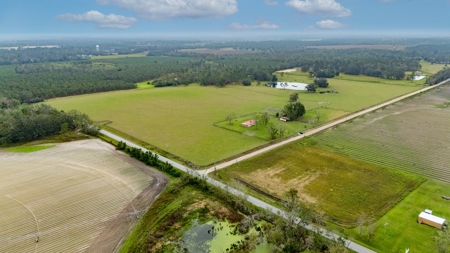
235,18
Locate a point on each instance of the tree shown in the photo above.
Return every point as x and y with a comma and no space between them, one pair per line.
64,128
311,88
265,118
230,118
274,78
247,82
293,97
272,130
294,110
321,82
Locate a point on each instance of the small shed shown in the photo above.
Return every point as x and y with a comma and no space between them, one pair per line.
249,123
285,119
429,219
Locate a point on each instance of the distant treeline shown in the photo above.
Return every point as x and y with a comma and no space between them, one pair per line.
31,82
221,70
19,123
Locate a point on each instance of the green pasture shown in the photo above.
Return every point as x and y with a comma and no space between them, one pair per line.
429,69
339,186
28,149
119,56
303,77
181,120
312,118
402,230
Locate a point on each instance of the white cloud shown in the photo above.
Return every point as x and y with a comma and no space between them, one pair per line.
328,25
326,8
261,25
100,20
271,3
167,9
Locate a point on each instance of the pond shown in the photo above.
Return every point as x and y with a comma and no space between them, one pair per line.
215,237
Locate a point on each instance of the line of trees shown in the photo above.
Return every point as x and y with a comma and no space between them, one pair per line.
440,76
151,159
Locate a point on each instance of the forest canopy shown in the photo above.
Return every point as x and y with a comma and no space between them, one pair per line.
33,75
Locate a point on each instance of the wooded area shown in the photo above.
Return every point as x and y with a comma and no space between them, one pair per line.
19,123
33,75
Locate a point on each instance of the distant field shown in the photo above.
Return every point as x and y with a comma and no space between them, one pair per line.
429,68
216,51
391,47
65,195
411,135
118,56
181,120
339,186
402,230
298,76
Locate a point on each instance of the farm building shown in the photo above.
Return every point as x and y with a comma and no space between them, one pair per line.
426,217
285,119
249,123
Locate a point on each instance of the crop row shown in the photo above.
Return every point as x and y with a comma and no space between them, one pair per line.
72,195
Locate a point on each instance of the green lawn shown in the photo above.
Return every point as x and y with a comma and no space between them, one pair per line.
181,120
339,186
28,149
402,230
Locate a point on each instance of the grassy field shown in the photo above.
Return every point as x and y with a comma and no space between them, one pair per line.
339,186
303,77
66,195
402,230
118,56
28,149
181,119
428,68
411,135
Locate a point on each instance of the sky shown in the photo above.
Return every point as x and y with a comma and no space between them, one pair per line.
224,18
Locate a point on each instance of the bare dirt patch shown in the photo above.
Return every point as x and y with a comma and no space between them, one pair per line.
287,70
75,197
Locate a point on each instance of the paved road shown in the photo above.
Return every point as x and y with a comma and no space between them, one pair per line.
318,129
351,245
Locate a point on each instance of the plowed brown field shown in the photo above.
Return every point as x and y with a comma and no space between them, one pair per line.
70,196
